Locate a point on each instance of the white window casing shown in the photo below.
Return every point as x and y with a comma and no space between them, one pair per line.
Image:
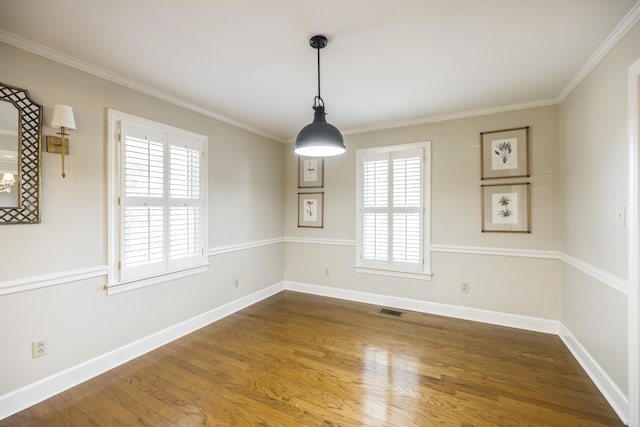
393,198
157,202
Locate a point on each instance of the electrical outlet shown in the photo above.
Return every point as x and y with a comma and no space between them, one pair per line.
326,272
236,283
38,348
464,287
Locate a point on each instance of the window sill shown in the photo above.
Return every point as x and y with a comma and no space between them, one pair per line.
402,274
120,287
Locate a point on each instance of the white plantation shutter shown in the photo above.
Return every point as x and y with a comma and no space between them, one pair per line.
375,237
143,235
143,225
407,207
184,231
185,203
161,201
391,218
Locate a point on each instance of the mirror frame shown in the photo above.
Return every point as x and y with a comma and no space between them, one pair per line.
30,125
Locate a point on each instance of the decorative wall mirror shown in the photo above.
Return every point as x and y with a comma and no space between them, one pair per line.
20,129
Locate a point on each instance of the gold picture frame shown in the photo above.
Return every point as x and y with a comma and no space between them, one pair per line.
505,153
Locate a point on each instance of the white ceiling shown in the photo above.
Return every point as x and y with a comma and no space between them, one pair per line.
388,62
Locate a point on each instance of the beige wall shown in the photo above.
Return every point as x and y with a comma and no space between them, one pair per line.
594,135
523,286
77,319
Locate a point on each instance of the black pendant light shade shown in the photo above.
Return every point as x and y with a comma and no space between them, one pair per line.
319,139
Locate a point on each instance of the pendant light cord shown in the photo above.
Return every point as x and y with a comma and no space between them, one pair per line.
318,99
318,49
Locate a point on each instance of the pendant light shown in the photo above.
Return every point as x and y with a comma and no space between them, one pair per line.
319,139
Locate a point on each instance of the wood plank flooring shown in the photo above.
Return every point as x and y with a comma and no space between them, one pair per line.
302,360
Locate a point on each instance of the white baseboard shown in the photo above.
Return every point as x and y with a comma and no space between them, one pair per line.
25,397
32,394
605,384
492,317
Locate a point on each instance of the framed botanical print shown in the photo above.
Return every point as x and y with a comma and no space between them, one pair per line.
310,210
505,153
506,208
310,172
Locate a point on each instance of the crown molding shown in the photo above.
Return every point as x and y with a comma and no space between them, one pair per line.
70,61
455,116
609,43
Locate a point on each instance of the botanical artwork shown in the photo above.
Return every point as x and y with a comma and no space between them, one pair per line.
504,154
310,210
310,170
504,208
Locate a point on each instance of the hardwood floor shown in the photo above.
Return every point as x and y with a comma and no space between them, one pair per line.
302,360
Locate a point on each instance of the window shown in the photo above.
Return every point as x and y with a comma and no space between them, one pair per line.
158,206
392,216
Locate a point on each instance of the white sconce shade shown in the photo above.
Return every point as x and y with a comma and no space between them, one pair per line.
8,179
63,117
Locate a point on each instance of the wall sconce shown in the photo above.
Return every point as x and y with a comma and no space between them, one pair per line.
63,119
6,182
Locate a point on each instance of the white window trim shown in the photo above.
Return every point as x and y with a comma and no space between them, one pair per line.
114,284
425,273
392,273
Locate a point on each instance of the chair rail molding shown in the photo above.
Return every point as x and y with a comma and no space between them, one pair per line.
613,281
53,279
